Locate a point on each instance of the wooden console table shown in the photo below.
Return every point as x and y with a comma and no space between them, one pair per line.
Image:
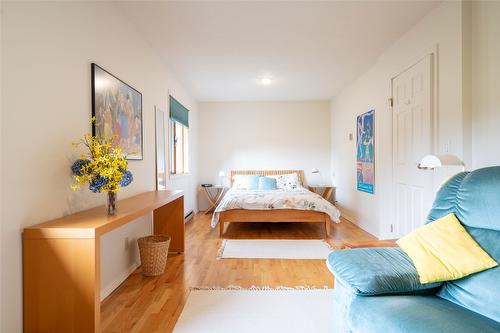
61,264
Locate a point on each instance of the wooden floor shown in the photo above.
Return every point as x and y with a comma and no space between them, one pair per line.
146,304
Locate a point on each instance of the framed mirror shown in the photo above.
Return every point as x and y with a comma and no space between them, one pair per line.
161,152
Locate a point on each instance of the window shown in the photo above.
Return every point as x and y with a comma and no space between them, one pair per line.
179,138
179,148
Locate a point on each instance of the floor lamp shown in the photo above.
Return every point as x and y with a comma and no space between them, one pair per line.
443,167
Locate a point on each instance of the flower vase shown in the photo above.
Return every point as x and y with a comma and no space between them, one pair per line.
111,206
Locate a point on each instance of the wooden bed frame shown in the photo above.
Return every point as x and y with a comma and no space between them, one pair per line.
277,215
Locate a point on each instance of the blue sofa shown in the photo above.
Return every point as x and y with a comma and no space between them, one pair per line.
377,290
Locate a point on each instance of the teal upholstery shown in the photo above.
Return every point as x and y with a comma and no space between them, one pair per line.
253,182
475,199
376,271
415,314
479,292
444,203
267,183
470,304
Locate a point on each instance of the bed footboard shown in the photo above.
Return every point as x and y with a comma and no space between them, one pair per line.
277,215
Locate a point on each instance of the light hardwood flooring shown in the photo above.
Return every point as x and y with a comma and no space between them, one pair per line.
153,304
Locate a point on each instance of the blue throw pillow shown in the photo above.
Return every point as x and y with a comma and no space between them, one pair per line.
253,182
267,183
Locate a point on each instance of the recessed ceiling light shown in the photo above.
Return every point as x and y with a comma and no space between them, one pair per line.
266,81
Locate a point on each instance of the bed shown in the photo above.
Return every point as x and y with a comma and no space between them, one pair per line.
297,205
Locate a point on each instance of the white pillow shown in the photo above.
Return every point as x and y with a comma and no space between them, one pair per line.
287,182
240,182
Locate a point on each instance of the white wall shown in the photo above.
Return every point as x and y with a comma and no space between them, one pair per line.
441,28
1,163
467,81
485,83
47,48
120,253
263,135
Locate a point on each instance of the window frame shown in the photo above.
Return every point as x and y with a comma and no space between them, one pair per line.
173,148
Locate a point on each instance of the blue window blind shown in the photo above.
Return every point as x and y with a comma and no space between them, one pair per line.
179,112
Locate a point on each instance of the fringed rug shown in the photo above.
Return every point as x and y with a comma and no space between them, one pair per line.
274,249
263,310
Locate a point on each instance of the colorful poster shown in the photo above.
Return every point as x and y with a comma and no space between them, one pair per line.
365,152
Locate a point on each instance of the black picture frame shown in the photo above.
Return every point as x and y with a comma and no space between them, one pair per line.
117,108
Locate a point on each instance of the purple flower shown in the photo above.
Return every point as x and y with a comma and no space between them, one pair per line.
97,184
127,178
77,167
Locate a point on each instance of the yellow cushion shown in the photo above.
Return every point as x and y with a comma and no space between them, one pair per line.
443,250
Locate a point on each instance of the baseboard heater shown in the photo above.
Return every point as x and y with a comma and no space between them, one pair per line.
188,216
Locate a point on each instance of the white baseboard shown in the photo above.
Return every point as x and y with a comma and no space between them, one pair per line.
348,218
359,224
189,216
106,290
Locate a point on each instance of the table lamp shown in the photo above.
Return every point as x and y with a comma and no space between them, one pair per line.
222,174
316,175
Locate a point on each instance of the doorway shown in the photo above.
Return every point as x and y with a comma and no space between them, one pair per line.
412,122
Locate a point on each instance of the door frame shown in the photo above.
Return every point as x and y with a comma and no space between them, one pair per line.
433,52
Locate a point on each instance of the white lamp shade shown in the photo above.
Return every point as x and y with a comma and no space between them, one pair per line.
437,161
222,173
315,170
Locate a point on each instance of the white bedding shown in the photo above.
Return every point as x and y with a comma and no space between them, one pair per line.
299,198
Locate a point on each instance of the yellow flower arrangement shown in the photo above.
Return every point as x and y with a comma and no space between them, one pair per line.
103,166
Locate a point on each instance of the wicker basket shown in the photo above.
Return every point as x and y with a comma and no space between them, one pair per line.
154,252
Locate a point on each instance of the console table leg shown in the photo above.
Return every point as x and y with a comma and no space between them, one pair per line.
61,285
169,220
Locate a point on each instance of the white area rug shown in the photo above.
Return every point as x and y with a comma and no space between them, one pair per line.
262,311
274,249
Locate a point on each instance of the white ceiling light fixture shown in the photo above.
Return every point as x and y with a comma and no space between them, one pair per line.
266,81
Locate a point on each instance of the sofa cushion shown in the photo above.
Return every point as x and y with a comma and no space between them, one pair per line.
474,197
376,271
416,314
479,292
445,201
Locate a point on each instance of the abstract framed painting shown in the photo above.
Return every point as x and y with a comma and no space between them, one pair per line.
365,152
117,108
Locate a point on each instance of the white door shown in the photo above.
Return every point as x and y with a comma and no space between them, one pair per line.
412,140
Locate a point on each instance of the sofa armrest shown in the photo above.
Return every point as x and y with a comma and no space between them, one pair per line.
377,271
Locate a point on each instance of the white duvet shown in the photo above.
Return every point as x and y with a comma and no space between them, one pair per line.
300,198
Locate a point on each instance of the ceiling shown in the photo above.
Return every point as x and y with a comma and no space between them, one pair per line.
311,50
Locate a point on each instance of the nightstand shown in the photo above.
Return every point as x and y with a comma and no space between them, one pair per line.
326,191
214,195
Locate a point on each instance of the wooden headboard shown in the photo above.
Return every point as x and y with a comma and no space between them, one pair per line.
300,173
